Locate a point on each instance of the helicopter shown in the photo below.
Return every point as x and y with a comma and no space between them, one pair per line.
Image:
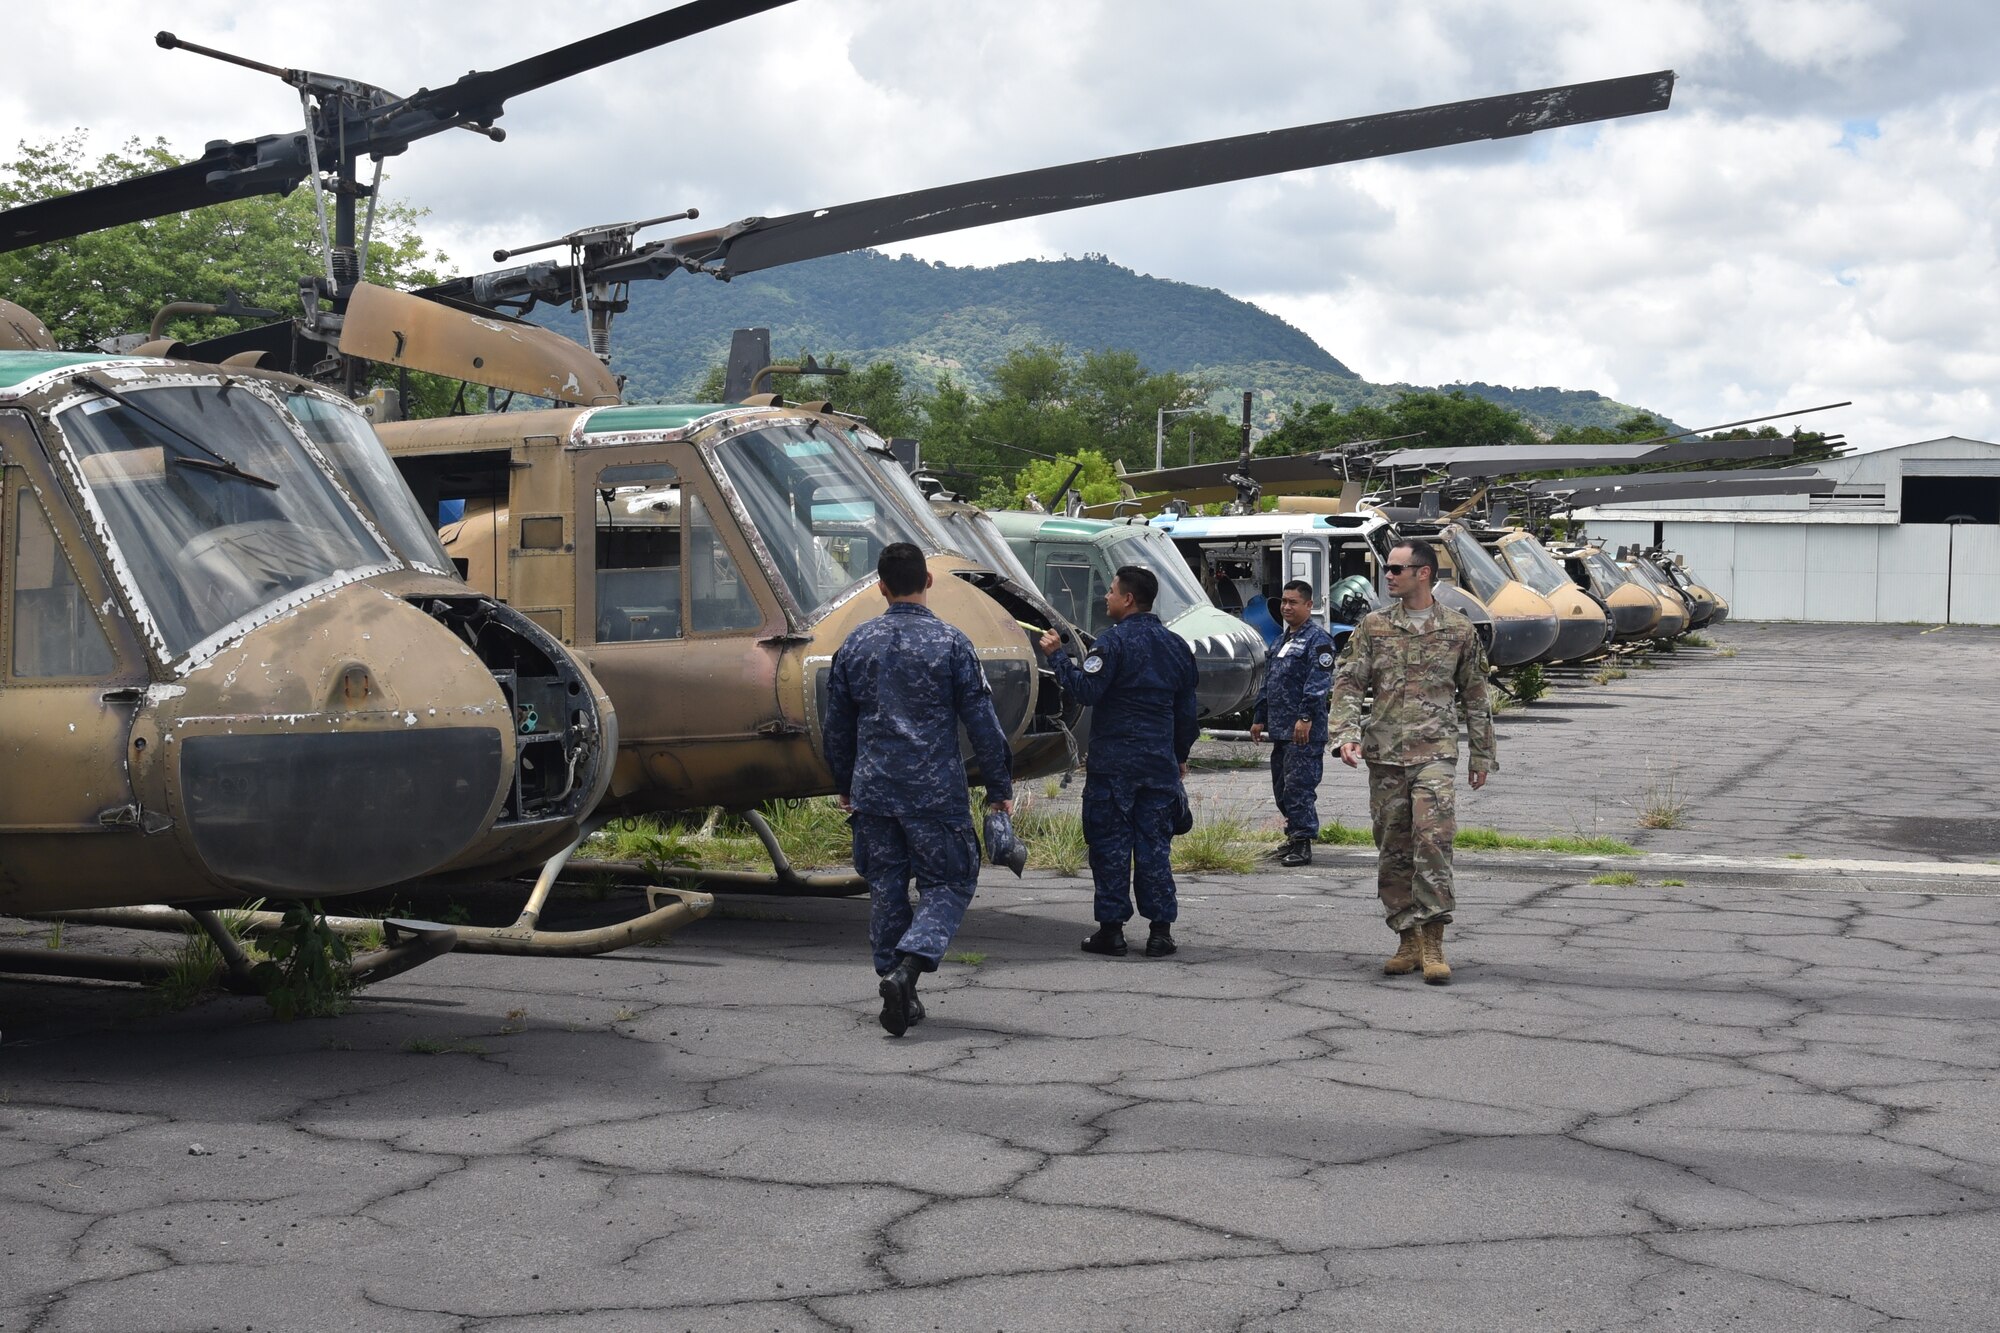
771,579
231,642
224,619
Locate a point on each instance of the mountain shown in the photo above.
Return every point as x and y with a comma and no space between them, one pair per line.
931,318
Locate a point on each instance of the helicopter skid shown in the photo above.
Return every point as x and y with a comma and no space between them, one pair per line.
406,944
687,908
787,882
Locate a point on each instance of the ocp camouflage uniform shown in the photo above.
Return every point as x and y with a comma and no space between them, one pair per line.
1420,680
1139,682
1296,686
899,689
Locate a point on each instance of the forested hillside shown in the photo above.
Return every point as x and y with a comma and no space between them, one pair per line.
928,319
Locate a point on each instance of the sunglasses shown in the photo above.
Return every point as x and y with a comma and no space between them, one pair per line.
1397,569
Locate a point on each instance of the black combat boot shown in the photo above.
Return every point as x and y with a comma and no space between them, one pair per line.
899,994
1160,940
1298,853
1109,940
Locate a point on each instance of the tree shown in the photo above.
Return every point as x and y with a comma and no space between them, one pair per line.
109,282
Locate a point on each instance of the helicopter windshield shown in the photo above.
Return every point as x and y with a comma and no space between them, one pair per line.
821,511
973,535
1478,572
1536,567
896,477
1604,571
1149,548
205,543
349,443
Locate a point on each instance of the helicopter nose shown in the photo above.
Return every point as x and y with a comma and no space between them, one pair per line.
1632,617
1578,636
302,768
1518,639
1229,670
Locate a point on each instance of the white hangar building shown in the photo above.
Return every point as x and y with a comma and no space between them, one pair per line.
1910,533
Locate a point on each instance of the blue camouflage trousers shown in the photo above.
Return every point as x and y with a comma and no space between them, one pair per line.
941,855
1295,775
1130,831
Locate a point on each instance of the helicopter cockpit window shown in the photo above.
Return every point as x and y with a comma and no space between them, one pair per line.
1478,572
1604,572
821,510
215,508
1077,590
940,535
54,632
350,445
717,598
1180,591
1536,567
638,553
973,535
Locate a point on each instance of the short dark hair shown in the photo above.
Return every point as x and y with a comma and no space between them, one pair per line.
1422,555
902,569
1141,583
1301,587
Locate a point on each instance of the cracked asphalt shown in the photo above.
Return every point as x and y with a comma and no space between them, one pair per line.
1763,1098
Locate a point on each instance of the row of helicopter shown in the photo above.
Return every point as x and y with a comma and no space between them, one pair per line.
240,660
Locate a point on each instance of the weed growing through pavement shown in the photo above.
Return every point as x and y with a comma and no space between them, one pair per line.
1055,840
1529,683
1673,883
1620,878
1696,639
1662,804
1795,856
439,1046
1725,652
54,941
1493,840
1213,847
969,959
1336,834
1607,673
196,966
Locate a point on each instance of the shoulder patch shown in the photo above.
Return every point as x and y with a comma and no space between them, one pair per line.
1326,657
1093,664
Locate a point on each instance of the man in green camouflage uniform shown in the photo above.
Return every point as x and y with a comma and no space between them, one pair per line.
1422,662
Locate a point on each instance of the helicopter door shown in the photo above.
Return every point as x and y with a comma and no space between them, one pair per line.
1307,555
67,696
1073,582
674,611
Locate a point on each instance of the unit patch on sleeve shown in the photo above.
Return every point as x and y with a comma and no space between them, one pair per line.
1093,664
1326,657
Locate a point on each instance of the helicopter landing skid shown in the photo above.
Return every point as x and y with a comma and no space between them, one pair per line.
783,880
405,944
526,936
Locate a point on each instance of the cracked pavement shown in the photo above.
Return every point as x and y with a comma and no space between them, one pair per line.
1756,1099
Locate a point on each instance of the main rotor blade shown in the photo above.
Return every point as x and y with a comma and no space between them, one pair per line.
277,163
481,93
761,243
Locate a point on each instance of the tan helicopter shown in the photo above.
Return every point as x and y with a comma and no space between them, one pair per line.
237,662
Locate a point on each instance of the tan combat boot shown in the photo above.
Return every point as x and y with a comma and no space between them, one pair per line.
1409,954
1436,970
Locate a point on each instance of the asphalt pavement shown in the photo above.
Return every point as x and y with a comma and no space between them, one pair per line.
1763,1096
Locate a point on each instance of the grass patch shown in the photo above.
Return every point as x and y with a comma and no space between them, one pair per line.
1224,763
1621,878
813,833
1055,840
1696,639
1529,683
1213,847
1498,701
1663,804
1673,883
55,937
439,1046
1574,844
1725,652
196,966
1607,673
1795,856
969,959
1337,834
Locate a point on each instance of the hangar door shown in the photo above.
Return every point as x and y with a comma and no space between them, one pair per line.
1960,499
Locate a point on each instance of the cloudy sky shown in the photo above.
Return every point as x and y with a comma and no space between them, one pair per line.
1814,219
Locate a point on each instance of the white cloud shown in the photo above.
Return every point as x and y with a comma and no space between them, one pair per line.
1815,218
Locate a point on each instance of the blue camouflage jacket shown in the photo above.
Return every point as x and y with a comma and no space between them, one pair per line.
899,689
1298,684
1139,681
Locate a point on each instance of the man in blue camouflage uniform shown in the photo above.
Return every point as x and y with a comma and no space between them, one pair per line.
1139,681
898,691
1293,707
1421,663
